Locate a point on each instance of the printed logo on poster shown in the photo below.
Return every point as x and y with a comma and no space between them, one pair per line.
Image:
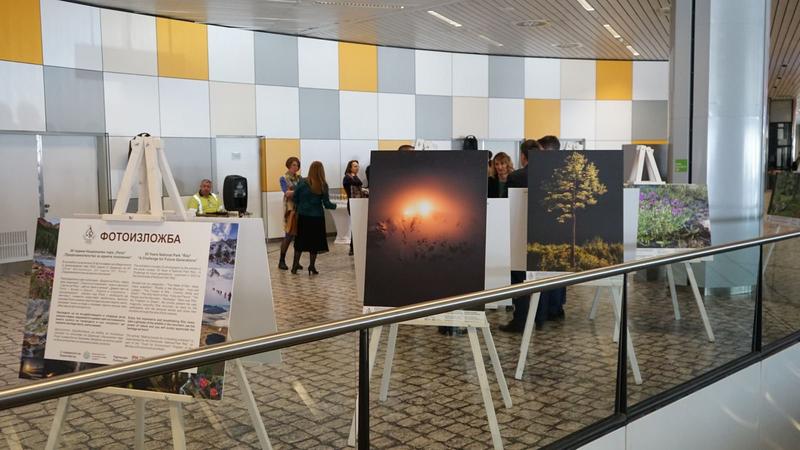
88,235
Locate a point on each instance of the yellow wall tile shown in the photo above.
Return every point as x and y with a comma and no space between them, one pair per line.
182,49
274,153
20,31
646,142
358,67
614,80
542,117
392,144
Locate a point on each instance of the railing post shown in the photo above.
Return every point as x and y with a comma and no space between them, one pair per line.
363,390
621,397
758,313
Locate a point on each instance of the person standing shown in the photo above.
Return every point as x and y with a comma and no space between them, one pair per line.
205,201
353,188
289,182
310,197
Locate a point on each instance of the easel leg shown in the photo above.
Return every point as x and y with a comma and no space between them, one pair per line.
178,430
483,380
387,362
374,340
637,374
498,369
672,293
526,335
252,407
595,302
699,300
139,407
58,423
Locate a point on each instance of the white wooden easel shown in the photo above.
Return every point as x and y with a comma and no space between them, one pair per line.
150,151
644,160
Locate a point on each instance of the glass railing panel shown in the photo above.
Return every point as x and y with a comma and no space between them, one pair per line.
688,318
781,290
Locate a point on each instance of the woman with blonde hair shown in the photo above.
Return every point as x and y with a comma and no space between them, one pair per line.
310,197
498,183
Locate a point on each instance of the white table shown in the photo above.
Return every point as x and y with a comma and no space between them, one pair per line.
341,219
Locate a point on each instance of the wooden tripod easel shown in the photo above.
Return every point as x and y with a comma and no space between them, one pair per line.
149,163
644,160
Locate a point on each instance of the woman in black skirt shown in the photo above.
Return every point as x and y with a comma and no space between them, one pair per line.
310,196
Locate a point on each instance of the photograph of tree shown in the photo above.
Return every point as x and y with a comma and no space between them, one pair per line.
786,196
574,210
426,226
673,216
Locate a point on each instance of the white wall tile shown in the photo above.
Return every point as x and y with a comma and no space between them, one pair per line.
359,150
396,116
470,75
184,107
542,78
239,156
613,119
318,62
506,118
325,151
578,119
278,112
231,55
441,145
650,80
21,97
470,117
609,145
131,103
578,79
358,115
71,35
433,72
233,109
129,42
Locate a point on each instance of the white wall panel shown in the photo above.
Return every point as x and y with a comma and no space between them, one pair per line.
325,151
612,441
470,116
274,214
21,97
721,416
231,55
578,119
129,42
358,115
542,78
184,107
131,103
358,150
608,145
233,109
396,116
613,120
318,62
440,145
650,80
278,112
433,72
117,162
71,35
18,176
470,75
239,156
780,400
506,118
578,79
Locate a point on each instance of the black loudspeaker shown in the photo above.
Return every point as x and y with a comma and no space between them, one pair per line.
234,193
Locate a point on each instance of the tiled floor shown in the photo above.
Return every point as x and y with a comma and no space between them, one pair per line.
434,402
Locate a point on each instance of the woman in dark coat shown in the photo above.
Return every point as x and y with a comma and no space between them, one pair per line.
353,187
310,197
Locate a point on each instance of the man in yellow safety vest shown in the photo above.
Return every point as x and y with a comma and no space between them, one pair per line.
205,201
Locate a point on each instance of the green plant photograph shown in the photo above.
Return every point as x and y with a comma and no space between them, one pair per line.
786,196
673,216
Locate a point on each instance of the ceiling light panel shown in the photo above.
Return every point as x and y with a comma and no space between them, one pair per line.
359,5
632,50
444,19
490,40
612,31
586,5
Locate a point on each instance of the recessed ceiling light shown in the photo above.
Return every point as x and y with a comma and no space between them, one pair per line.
567,45
359,5
665,10
490,40
632,50
586,5
532,23
612,31
444,19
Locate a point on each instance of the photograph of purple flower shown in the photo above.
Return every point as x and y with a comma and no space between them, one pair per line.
673,216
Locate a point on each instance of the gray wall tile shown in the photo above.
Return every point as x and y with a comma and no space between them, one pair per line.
434,117
276,60
74,100
396,70
506,77
190,161
319,114
649,120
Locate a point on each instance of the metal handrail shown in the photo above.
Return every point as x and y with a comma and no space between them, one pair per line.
122,373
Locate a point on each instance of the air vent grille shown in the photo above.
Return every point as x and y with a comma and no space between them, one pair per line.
13,245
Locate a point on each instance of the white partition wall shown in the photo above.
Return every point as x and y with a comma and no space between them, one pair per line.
780,400
69,171
239,156
20,210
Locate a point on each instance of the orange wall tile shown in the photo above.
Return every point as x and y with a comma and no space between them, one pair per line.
274,153
358,67
20,31
182,49
542,117
614,80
